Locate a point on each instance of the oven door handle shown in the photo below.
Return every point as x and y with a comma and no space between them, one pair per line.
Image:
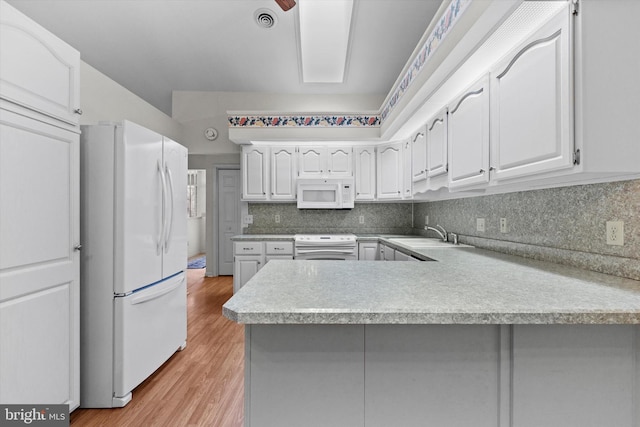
324,251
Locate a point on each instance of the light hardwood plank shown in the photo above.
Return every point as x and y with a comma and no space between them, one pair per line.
201,386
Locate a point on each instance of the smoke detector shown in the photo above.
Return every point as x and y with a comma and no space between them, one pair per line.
265,18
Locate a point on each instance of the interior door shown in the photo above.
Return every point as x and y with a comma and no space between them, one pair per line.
39,268
139,219
228,217
175,239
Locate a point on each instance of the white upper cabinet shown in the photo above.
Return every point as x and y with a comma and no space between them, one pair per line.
437,144
312,162
322,161
283,173
365,173
419,157
407,175
340,161
38,71
389,171
468,132
255,163
531,105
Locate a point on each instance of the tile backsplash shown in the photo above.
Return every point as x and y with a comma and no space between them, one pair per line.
379,218
565,225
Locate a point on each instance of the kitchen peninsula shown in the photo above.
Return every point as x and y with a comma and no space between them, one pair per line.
474,338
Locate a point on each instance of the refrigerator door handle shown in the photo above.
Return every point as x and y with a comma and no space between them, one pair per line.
169,222
145,297
163,218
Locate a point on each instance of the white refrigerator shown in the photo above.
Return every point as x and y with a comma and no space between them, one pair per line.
133,230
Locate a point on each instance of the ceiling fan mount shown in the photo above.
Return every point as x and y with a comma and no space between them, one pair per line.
286,4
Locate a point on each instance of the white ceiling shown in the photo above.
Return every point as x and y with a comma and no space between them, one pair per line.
152,47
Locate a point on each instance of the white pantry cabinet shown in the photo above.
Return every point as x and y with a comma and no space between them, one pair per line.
468,133
255,172
283,173
365,173
531,105
39,215
323,161
389,171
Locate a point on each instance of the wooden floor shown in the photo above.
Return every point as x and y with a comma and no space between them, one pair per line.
199,386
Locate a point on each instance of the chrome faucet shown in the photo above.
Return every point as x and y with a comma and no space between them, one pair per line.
442,232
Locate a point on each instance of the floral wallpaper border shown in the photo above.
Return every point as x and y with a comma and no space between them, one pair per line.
326,120
446,23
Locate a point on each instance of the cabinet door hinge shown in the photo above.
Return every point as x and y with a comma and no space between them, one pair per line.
575,7
576,157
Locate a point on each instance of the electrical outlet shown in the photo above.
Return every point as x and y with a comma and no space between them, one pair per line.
248,219
426,220
480,224
277,219
503,225
361,219
615,233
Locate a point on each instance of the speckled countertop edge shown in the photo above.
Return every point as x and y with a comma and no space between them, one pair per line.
444,315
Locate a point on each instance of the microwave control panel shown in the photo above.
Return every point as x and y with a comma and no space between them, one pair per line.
346,193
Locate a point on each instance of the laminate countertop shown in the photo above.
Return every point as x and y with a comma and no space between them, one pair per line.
461,286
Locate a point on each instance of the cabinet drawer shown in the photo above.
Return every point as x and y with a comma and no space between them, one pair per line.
279,248
247,248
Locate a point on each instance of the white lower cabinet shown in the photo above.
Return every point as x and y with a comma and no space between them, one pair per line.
387,253
401,256
368,251
250,256
278,250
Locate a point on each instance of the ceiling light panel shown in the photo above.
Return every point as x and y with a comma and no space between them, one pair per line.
324,39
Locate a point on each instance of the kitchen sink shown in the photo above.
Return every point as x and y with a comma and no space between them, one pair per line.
423,243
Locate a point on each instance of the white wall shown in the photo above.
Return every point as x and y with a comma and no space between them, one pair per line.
102,99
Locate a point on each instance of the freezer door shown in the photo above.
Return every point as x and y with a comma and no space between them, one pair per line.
140,185
149,326
175,236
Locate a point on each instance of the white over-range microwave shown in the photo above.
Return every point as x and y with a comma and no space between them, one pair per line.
329,193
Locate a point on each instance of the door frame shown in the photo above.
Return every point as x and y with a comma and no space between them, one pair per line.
212,220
